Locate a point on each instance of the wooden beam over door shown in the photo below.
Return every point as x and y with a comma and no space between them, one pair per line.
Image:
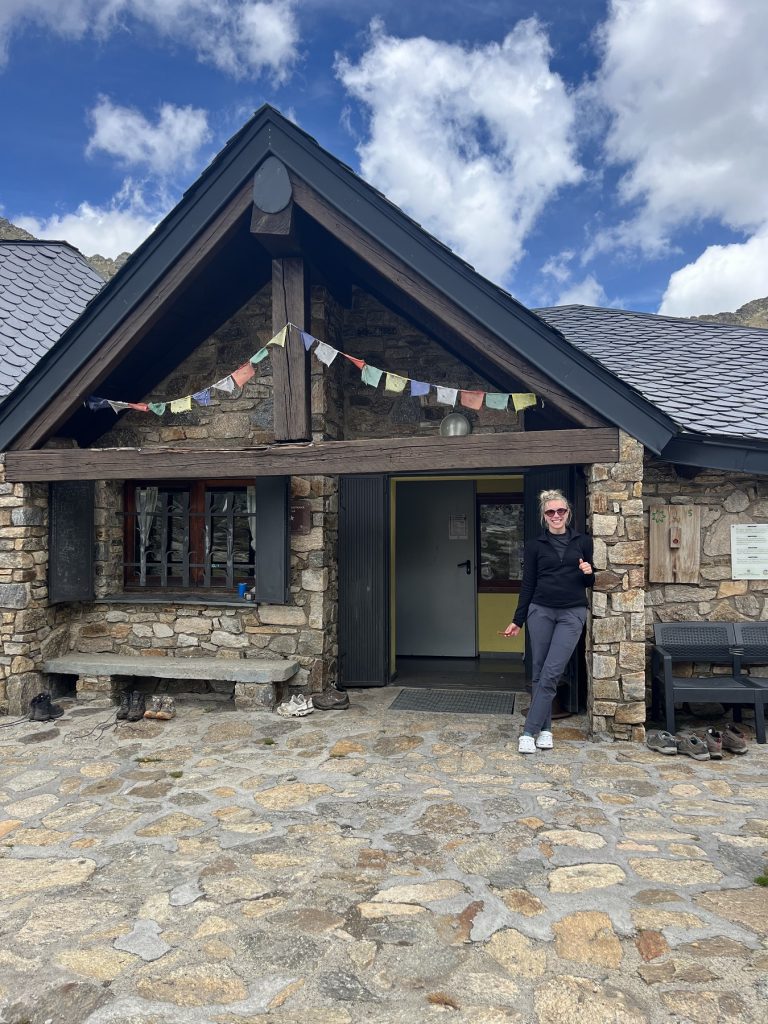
381,455
290,365
439,312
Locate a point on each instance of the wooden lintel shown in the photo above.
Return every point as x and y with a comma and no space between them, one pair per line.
438,311
290,365
380,455
276,232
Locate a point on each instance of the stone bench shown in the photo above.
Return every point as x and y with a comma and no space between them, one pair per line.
257,681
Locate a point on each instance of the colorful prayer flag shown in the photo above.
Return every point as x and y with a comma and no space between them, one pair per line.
96,403
395,383
158,408
371,375
523,401
225,384
122,406
446,396
359,363
496,400
472,399
243,373
307,339
182,404
279,338
258,356
419,387
326,353
203,397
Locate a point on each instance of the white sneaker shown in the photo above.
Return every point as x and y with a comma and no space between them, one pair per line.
526,745
544,740
296,707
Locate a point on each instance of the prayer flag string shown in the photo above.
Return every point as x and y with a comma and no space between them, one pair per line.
394,383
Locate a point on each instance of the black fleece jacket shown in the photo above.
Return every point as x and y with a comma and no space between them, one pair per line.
550,582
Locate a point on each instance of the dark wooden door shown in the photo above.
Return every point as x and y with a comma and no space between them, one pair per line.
363,581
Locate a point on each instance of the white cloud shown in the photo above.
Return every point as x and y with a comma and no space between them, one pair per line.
240,37
171,144
471,142
723,278
120,226
686,88
588,292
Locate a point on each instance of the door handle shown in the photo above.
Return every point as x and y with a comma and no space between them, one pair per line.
467,565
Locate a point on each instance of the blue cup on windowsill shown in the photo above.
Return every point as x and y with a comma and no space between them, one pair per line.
242,589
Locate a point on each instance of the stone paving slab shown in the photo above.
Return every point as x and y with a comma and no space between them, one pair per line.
369,865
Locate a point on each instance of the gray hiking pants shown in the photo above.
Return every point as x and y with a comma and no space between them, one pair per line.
553,634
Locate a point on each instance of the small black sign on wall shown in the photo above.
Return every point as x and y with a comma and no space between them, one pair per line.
301,518
70,536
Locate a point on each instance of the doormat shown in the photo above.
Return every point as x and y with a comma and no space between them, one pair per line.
455,702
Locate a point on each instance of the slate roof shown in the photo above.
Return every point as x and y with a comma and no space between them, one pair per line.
44,286
708,378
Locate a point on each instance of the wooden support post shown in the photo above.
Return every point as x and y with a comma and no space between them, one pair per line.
290,365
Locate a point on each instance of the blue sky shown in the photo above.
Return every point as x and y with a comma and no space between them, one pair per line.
610,152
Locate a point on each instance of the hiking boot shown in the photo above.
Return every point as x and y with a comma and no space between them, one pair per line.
544,740
331,700
714,741
36,712
125,706
137,706
691,745
53,710
734,740
167,709
155,707
526,745
661,741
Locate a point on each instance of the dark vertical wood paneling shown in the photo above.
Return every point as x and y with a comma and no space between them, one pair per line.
363,581
290,365
272,567
70,541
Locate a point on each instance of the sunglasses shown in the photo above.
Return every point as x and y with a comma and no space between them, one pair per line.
552,512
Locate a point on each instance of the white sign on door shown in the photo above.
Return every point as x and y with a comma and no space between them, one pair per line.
749,551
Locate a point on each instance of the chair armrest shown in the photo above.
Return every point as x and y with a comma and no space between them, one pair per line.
736,653
661,659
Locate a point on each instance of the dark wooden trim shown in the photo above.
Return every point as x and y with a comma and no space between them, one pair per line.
136,324
380,455
436,306
290,365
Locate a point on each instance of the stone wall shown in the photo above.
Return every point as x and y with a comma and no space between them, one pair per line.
725,499
25,619
616,629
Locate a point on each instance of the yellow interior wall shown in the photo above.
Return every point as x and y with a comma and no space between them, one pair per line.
494,611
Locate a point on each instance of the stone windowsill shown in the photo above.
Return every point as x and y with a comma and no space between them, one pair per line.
219,600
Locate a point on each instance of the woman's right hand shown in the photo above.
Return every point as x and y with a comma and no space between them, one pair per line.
512,630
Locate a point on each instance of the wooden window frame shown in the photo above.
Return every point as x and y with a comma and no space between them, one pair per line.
495,586
197,514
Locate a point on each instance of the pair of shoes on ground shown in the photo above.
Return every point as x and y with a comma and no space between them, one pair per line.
331,700
163,708
701,745
297,707
530,744
42,710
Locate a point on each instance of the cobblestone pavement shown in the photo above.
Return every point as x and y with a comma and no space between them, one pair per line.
373,865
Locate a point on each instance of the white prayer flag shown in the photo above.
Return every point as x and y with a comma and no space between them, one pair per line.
325,353
446,396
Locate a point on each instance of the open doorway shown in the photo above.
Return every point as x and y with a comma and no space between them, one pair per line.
456,562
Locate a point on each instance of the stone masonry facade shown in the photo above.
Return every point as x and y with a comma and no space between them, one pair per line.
616,626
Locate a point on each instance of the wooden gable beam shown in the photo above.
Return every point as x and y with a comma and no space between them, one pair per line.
441,316
130,332
516,450
290,364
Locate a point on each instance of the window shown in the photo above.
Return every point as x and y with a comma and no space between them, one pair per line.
190,535
500,542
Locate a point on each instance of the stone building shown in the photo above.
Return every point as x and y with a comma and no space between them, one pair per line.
369,520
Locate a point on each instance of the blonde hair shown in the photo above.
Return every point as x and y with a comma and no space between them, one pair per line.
546,496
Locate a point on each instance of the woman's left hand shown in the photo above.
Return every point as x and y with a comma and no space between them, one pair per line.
585,567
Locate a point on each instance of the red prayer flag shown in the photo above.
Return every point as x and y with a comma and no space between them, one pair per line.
472,399
359,363
243,373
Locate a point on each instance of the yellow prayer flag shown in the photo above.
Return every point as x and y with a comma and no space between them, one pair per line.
181,404
523,401
395,382
279,338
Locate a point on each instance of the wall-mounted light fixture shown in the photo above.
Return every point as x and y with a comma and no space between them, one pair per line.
455,425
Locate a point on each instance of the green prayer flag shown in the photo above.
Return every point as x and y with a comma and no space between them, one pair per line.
158,408
371,375
261,354
495,400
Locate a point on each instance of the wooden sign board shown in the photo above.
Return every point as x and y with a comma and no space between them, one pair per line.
675,543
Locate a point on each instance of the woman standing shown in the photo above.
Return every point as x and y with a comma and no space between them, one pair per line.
557,567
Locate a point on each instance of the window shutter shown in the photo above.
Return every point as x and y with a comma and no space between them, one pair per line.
272,565
70,541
